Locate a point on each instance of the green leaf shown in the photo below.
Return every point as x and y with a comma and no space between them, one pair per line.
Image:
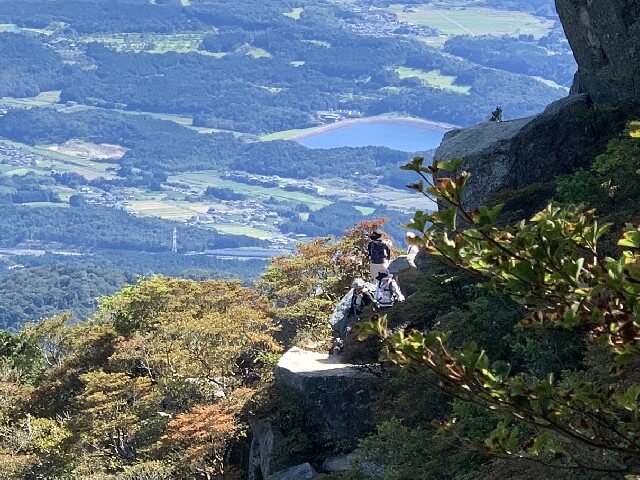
451,166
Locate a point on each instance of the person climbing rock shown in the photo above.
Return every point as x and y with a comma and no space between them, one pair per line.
379,253
412,248
387,290
362,295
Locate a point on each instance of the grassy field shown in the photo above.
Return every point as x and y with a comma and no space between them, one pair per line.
474,21
433,79
45,99
45,204
434,42
210,179
8,27
163,206
235,229
320,43
256,52
365,210
296,13
285,134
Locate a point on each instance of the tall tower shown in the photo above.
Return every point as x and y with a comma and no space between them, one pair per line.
174,243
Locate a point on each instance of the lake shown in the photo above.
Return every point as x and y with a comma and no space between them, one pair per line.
402,135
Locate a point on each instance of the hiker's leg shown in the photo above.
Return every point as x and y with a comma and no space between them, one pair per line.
375,269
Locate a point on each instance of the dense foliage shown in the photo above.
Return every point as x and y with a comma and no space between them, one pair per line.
96,16
522,55
106,228
35,293
154,385
551,266
306,286
27,67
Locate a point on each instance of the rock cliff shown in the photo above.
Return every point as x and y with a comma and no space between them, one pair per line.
522,152
334,398
605,38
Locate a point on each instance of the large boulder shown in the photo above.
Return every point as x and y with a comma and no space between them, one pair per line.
334,395
262,458
518,153
349,462
605,38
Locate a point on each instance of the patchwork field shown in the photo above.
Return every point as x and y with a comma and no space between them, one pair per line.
473,21
45,99
164,208
433,79
151,43
51,160
210,179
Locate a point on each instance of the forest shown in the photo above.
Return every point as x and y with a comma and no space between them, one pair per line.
106,228
518,55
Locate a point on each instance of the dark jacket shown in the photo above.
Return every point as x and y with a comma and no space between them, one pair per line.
378,251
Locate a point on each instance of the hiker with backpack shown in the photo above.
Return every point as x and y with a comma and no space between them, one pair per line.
379,253
412,249
362,295
387,290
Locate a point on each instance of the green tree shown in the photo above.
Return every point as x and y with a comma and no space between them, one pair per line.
305,287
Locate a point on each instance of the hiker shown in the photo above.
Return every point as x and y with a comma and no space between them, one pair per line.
412,249
387,290
363,295
379,253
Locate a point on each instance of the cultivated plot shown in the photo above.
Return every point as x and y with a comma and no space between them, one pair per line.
474,21
434,79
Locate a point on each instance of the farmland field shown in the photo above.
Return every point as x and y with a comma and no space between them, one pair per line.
210,179
473,21
167,209
45,99
151,43
61,162
433,79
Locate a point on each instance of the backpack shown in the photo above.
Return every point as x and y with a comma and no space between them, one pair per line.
386,295
378,252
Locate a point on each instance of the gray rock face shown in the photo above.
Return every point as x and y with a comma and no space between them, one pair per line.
605,38
261,456
335,395
400,264
347,462
340,463
521,152
299,472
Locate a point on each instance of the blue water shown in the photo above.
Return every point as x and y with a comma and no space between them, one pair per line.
399,135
